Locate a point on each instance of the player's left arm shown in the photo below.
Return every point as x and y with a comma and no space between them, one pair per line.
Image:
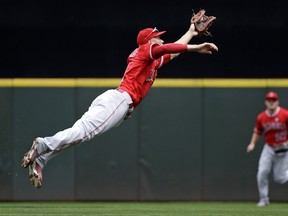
185,39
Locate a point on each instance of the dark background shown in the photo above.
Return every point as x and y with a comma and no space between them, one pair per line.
94,38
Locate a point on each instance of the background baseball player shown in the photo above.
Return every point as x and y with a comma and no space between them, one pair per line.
109,109
272,122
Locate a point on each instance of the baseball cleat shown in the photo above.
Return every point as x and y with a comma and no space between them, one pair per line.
262,203
31,155
35,174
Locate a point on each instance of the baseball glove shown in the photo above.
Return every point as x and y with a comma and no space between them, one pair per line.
202,22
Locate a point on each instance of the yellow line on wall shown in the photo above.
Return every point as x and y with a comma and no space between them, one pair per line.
160,83
220,83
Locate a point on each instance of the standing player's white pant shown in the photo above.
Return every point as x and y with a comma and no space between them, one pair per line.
108,110
270,160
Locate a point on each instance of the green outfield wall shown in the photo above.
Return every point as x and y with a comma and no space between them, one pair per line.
186,141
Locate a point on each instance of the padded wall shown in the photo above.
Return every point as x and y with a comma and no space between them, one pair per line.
180,144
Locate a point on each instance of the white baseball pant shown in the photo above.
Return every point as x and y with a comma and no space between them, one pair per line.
108,110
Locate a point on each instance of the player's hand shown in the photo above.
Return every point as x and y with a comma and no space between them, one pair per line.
250,147
207,48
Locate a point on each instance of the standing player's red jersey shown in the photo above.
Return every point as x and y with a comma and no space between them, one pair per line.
141,72
273,126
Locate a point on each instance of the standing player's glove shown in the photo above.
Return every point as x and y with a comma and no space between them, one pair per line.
202,22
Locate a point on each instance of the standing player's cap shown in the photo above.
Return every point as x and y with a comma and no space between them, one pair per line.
146,34
272,95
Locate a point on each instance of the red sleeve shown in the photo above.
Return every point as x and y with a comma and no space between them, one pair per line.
258,129
158,51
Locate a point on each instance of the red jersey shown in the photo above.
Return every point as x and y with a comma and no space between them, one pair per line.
142,68
273,126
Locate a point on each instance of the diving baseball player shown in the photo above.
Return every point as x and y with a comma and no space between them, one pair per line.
109,109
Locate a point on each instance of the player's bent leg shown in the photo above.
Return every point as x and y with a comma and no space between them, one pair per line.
280,168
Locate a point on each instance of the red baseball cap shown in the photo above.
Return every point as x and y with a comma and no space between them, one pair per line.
146,34
272,95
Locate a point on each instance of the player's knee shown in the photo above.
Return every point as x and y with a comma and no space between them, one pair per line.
280,179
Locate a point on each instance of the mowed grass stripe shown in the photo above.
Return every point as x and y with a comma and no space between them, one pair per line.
142,208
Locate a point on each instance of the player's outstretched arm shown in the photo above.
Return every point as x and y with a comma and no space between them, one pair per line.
203,48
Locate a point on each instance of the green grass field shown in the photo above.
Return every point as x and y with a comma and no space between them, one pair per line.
141,208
